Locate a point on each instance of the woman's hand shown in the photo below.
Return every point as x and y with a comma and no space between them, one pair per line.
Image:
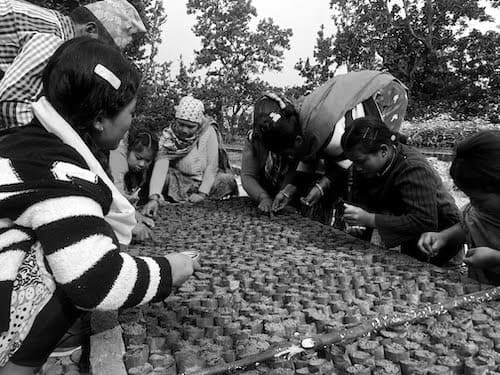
265,205
431,242
483,257
196,197
182,267
142,232
313,197
144,219
357,216
151,208
280,201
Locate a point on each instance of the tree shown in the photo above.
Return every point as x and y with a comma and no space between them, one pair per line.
325,66
416,40
233,54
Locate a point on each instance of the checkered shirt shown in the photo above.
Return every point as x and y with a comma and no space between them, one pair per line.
29,35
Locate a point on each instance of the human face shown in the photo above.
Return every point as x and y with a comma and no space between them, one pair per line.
111,130
368,163
185,129
296,151
484,201
140,160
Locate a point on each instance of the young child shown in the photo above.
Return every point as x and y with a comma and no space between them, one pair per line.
476,171
61,218
129,165
402,195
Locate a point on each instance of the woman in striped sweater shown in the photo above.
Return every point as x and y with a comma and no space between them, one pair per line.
61,218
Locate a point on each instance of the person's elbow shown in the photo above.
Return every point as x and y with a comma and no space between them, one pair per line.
425,223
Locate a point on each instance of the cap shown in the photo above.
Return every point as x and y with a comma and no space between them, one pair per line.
120,19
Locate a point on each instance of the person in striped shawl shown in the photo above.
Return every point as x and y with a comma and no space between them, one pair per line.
61,218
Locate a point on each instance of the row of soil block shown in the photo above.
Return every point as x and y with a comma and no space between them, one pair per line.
267,280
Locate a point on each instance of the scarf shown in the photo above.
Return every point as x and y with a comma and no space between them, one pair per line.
121,215
482,230
172,147
325,106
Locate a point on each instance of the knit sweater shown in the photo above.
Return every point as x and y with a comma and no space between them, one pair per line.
409,199
49,195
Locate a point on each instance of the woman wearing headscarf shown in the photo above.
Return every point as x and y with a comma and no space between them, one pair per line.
187,165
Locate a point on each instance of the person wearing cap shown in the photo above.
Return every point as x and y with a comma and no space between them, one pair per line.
187,165
30,34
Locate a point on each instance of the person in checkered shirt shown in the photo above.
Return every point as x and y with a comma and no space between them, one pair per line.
30,34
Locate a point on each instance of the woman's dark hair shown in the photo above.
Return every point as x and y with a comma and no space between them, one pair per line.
370,133
79,94
81,15
276,127
140,139
477,162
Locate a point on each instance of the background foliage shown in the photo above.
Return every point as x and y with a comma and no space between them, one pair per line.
447,67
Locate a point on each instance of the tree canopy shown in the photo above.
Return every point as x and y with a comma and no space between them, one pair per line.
427,44
234,53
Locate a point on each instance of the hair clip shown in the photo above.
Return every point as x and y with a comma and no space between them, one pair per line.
274,116
365,134
108,76
393,137
150,141
276,98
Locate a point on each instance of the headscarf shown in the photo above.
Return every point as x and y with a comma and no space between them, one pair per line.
325,106
171,145
120,19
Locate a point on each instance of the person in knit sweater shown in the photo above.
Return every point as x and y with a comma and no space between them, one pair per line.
187,165
62,221
396,190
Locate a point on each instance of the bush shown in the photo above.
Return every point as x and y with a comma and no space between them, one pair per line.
442,131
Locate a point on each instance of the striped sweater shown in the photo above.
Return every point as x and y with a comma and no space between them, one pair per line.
48,194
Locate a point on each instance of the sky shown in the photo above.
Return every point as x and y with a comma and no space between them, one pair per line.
304,17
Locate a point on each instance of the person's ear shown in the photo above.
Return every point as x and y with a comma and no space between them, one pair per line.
90,29
384,150
299,141
98,124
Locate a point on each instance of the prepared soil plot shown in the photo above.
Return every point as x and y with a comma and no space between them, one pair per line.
266,280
